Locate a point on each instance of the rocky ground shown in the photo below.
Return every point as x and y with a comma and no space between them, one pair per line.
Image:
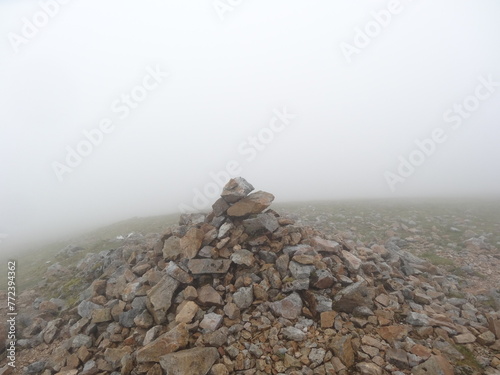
461,237
245,290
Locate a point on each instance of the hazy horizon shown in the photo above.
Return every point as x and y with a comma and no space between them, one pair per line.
117,110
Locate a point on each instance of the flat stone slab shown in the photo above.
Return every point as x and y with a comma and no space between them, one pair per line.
254,203
202,266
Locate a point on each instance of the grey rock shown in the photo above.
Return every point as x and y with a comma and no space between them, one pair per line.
81,340
291,250
417,319
127,318
243,256
362,312
262,222
35,368
206,251
297,284
191,219
139,303
160,298
327,246
289,307
323,303
255,350
113,356
243,298
178,273
144,320
300,271
397,357
220,207
217,338
236,189
422,298
86,308
268,256
322,279
355,295
172,248
292,333
224,229
316,356
151,335
232,311
448,349
204,266
89,368
352,262
211,322
50,332
282,264
486,338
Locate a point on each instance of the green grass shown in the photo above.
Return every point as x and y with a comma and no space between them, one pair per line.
491,303
70,291
436,259
440,214
469,358
460,272
455,294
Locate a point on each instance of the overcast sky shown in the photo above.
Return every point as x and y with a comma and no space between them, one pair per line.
307,100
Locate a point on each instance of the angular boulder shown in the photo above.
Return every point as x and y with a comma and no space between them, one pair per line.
342,348
254,203
191,243
160,298
172,248
173,340
196,361
203,266
289,307
435,365
355,295
236,189
262,222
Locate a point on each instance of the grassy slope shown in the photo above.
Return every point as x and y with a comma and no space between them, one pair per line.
32,262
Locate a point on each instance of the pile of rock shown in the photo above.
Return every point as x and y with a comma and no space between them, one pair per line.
242,290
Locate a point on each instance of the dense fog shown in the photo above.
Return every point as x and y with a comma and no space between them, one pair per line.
124,108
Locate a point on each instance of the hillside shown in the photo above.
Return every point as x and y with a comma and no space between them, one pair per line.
314,288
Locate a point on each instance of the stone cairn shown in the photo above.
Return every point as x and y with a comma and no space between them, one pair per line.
242,290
